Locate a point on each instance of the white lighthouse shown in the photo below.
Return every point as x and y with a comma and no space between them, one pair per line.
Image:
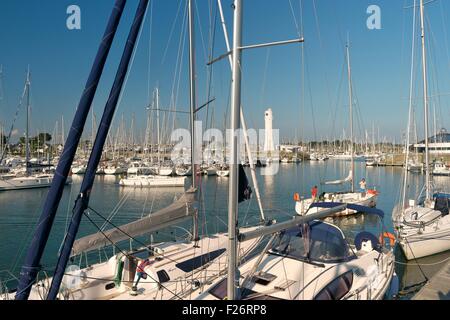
268,141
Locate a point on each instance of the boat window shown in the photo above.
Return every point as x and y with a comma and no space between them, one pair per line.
323,243
337,289
442,205
197,262
163,276
220,292
110,286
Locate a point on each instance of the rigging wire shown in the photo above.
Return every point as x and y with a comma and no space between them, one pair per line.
172,29
129,256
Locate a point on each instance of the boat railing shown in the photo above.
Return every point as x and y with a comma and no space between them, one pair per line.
7,279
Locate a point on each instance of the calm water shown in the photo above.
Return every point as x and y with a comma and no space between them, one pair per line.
20,210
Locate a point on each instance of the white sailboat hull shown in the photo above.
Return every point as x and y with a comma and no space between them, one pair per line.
165,171
139,171
367,200
153,181
422,231
223,173
210,172
78,170
183,172
31,182
426,245
115,171
86,287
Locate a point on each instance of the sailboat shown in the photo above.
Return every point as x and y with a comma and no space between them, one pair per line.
305,258
365,198
142,175
27,180
423,225
223,171
314,260
172,269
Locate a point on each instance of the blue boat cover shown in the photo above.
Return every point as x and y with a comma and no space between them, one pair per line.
441,195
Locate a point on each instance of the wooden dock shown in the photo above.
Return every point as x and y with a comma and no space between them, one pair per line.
438,288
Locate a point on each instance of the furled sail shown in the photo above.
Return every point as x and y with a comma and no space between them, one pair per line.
338,182
178,211
245,191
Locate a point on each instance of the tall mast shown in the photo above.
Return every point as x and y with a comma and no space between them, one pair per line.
244,126
192,88
157,124
1,83
27,132
411,85
425,104
1,125
350,96
233,280
63,138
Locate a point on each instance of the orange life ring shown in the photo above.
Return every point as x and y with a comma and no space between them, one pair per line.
296,197
373,192
389,236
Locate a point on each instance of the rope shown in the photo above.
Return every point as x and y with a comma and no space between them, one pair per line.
16,115
422,264
415,259
129,236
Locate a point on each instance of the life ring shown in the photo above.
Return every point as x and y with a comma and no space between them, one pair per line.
389,236
372,192
296,197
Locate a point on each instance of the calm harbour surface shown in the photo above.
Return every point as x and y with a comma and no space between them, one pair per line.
20,210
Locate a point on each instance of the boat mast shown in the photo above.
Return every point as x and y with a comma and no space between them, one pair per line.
244,126
27,132
411,86
31,265
157,124
82,202
350,95
192,91
425,102
233,279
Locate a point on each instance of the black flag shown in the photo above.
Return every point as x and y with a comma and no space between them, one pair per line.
245,191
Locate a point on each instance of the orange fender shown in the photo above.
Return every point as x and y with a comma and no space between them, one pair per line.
387,235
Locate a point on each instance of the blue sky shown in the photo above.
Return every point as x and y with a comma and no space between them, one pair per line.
34,33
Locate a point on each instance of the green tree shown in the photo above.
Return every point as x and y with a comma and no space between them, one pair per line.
44,137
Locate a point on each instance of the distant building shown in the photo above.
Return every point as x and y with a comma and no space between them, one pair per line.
437,144
291,148
268,141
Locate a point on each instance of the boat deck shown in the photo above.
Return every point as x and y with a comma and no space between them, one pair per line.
438,288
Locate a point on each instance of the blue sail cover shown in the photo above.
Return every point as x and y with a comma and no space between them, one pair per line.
441,195
351,206
82,201
31,265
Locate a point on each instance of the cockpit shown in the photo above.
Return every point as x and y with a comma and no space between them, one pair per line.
315,242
